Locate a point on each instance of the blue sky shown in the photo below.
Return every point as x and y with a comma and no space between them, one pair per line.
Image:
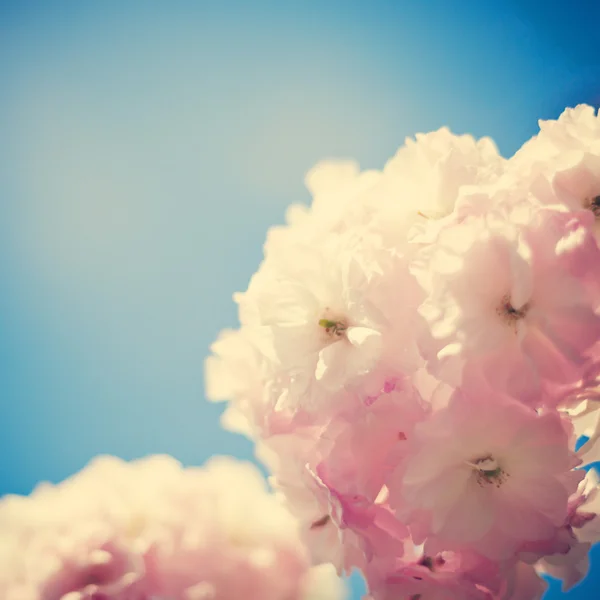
145,149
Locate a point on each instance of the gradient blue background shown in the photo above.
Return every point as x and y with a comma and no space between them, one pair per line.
146,147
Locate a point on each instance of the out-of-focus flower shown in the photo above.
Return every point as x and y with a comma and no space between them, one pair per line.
151,529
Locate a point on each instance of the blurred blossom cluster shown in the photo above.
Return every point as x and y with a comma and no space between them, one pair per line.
419,353
151,530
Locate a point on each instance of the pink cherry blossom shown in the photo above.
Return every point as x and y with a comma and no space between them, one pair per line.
318,326
583,529
504,299
564,160
428,171
486,473
444,576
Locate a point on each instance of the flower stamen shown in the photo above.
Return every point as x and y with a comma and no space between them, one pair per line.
594,205
333,328
426,561
509,313
488,471
431,562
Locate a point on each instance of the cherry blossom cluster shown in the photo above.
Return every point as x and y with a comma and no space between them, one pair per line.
151,530
418,356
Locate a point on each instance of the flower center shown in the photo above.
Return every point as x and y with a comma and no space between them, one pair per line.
488,471
509,313
431,562
333,328
594,206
